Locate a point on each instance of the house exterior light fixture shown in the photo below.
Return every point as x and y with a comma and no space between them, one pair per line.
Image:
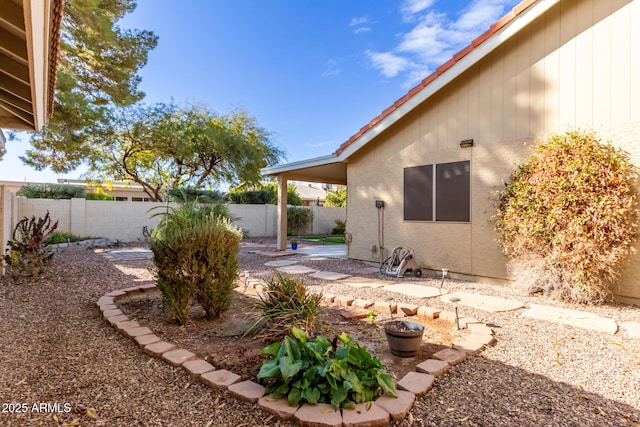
466,143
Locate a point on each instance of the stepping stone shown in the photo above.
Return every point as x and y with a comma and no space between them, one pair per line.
417,383
178,357
144,340
358,313
220,378
280,263
330,275
433,367
365,282
416,291
320,415
157,349
366,271
397,407
632,328
428,312
565,316
407,309
483,302
275,254
197,367
136,332
451,356
364,415
247,391
296,269
278,407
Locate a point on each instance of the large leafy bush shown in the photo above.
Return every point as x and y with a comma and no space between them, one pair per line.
51,191
318,371
298,219
27,255
568,217
196,258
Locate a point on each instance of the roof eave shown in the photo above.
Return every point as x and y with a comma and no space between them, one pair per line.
449,71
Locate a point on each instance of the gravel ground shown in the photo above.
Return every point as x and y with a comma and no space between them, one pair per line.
56,350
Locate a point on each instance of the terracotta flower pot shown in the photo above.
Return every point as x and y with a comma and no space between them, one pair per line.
404,337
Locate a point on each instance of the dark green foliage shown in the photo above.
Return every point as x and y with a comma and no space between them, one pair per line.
51,191
196,258
98,196
340,228
27,255
336,198
98,66
298,219
314,371
568,217
263,194
190,194
286,303
57,237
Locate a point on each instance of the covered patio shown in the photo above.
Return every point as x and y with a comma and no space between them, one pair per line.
326,169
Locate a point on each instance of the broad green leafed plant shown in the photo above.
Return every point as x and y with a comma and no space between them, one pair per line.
318,371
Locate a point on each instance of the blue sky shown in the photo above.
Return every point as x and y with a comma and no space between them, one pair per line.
312,72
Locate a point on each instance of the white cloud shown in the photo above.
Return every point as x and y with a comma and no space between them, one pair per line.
411,7
480,15
358,21
388,63
333,68
361,30
434,36
320,144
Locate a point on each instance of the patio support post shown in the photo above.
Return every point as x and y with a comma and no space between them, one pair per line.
282,213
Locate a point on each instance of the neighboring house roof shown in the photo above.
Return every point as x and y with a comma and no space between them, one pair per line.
29,49
308,192
334,165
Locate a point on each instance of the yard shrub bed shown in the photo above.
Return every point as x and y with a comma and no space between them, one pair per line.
568,217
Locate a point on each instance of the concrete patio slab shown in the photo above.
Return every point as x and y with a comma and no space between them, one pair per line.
365,282
579,319
330,275
632,328
280,263
416,291
296,269
275,254
330,251
483,302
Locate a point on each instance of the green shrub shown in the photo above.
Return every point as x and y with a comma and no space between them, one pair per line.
340,228
263,194
189,194
58,237
287,303
316,371
298,219
98,196
336,198
51,191
196,258
568,217
27,255
185,214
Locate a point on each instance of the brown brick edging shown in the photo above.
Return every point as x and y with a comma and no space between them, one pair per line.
377,413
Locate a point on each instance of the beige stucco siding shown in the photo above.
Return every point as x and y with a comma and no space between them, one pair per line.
576,66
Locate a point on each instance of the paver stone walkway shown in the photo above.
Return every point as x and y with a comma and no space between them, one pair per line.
483,302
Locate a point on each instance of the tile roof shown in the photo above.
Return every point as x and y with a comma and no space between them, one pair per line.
498,25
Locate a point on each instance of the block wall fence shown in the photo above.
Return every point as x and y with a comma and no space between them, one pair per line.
125,220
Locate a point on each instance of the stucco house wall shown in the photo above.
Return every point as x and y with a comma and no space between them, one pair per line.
577,66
